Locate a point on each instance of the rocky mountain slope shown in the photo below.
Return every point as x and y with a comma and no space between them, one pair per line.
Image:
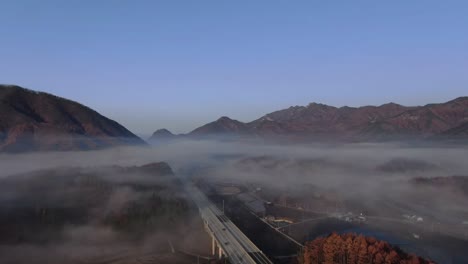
31,121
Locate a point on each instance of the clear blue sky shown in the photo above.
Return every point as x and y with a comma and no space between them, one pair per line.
180,64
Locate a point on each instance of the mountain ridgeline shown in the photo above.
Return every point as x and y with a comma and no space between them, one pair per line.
318,121
37,121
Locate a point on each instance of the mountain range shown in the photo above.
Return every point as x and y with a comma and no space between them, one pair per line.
319,121
32,121
36,121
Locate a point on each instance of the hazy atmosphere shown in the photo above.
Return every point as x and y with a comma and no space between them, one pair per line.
235,132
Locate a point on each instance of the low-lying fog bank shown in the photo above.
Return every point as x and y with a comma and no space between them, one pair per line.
450,159
377,179
367,171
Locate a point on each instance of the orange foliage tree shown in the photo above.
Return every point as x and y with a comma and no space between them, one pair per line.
355,249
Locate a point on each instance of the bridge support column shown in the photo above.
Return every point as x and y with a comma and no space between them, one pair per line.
220,253
213,246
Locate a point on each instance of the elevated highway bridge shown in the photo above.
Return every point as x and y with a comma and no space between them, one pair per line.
227,239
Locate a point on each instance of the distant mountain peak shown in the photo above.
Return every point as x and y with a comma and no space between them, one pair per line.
391,104
224,119
163,131
314,104
223,125
296,107
161,135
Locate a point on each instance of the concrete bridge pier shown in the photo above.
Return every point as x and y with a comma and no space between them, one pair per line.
216,249
213,246
220,253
